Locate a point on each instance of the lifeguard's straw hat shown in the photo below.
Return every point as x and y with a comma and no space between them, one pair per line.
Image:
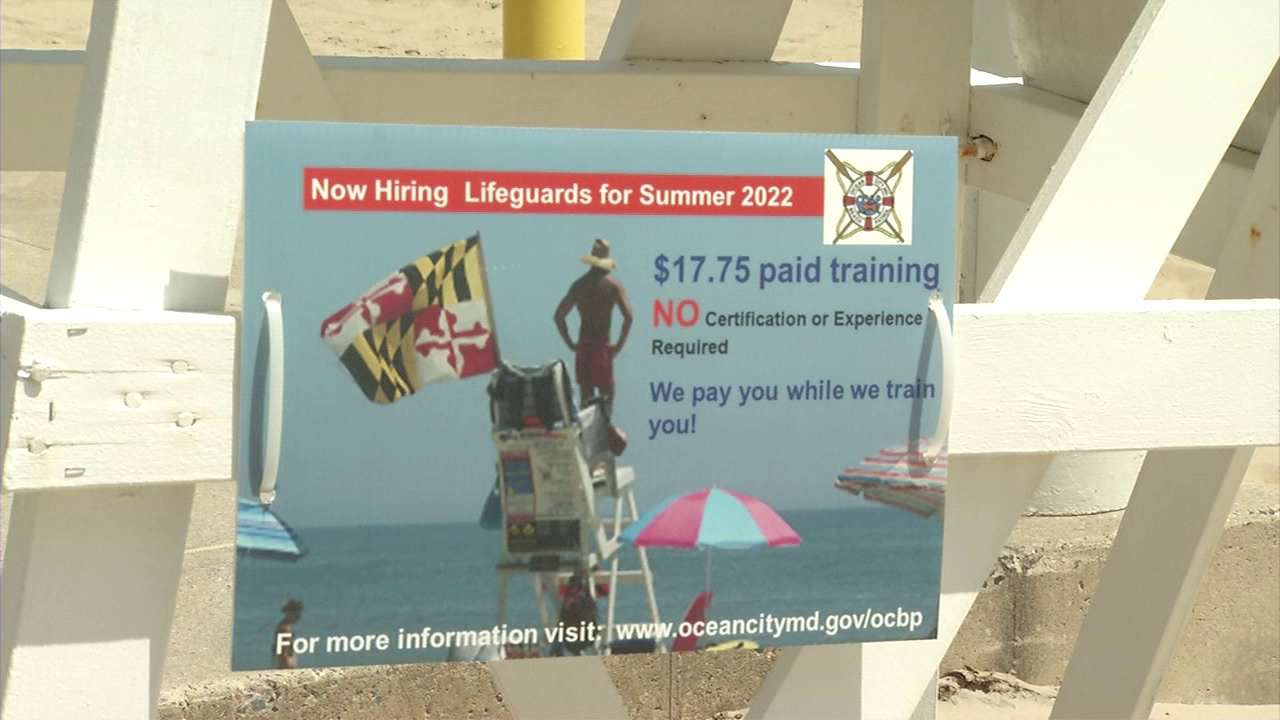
599,256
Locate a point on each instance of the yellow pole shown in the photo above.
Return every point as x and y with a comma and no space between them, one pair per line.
544,29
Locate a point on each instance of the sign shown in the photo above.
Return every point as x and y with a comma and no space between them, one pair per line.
514,356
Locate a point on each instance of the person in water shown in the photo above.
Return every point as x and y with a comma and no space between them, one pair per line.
282,648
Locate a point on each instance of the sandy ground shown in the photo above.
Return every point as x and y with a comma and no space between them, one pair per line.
816,30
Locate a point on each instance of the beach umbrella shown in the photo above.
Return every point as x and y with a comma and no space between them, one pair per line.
261,533
713,518
901,477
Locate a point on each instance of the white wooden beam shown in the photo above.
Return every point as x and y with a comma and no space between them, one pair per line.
114,223
915,67
652,95
1032,127
1125,264
915,80
90,582
292,87
795,97
1040,380
992,43
149,220
1250,262
1132,148
117,398
1142,153
1177,511
985,496
1150,581
712,30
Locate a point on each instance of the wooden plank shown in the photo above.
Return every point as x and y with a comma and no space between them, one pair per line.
650,95
154,186
787,693
42,90
915,80
1032,127
915,67
1149,584
985,497
292,87
38,95
987,492
992,44
90,582
122,398
149,222
1132,145
1249,265
1132,148
1202,238
708,30
1037,380
1178,509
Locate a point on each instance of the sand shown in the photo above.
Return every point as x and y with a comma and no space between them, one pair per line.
816,30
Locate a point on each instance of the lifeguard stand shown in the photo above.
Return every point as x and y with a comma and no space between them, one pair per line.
552,484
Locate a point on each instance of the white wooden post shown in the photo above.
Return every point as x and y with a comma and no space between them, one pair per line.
116,412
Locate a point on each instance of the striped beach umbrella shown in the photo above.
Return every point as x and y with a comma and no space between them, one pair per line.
901,477
711,518
260,533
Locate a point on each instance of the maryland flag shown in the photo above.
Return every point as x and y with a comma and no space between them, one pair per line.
428,322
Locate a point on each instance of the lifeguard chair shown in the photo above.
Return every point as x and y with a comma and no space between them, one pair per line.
564,499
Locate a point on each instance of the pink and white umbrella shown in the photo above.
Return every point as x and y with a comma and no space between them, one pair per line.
709,519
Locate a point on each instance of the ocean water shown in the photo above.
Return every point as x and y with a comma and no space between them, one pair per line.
385,579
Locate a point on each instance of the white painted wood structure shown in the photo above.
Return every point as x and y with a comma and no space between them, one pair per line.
118,395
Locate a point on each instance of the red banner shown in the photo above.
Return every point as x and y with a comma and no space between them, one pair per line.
482,191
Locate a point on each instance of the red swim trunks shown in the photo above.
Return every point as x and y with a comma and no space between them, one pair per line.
594,366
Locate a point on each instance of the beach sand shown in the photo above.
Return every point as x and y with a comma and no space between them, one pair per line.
816,30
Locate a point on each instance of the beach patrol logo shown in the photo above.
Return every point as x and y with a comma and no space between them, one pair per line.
867,197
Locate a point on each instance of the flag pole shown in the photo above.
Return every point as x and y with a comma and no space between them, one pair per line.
488,304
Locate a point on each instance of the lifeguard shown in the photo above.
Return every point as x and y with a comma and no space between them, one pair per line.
594,295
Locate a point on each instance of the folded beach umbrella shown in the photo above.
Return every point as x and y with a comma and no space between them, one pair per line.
260,533
901,477
429,321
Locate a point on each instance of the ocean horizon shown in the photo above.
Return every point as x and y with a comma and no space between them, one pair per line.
371,580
